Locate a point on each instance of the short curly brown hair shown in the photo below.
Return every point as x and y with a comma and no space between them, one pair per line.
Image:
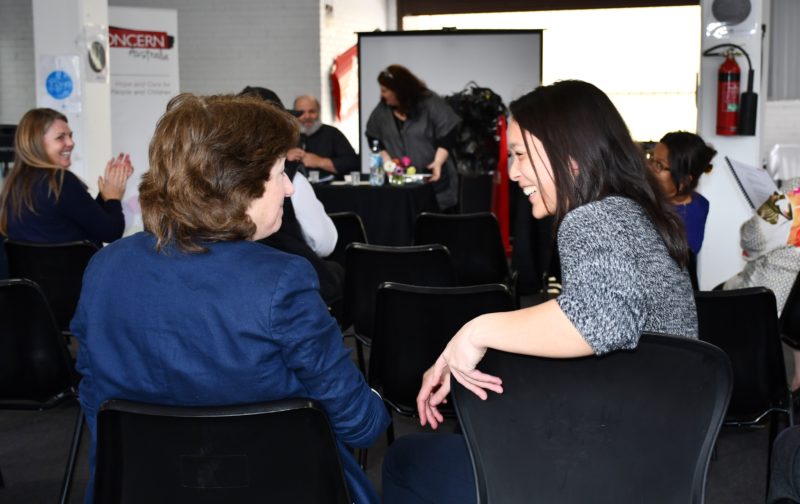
209,158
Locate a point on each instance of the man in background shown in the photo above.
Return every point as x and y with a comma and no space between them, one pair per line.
322,147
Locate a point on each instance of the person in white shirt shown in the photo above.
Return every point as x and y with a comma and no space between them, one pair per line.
306,229
317,228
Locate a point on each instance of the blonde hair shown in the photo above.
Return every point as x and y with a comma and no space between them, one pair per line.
30,156
209,159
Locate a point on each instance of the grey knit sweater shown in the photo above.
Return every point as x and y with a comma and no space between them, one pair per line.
618,277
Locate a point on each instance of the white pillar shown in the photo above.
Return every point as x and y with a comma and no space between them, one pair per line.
63,30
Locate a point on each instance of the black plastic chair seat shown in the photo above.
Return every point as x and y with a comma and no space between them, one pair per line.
413,324
281,451
350,229
631,426
57,268
36,371
474,242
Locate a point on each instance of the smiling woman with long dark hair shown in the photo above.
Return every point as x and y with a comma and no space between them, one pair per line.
623,263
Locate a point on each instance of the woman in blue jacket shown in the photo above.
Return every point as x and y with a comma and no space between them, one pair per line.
44,202
678,160
192,311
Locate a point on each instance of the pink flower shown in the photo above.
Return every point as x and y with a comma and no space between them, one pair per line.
405,162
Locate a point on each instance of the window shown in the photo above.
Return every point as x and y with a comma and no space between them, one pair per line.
641,57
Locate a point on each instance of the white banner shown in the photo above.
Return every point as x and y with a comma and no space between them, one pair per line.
144,76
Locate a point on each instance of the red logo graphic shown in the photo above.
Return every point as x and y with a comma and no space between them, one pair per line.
139,39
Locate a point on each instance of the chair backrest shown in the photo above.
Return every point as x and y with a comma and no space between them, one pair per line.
744,324
282,451
790,316
57,268
350,229
368,266
34,360
412,327
630,426
474,243
475,192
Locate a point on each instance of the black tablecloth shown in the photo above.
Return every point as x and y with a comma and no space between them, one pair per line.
388,211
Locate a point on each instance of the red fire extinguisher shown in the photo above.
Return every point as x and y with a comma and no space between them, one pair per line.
728,96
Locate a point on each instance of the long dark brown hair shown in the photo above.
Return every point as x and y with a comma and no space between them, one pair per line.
579,126
30,162
406,86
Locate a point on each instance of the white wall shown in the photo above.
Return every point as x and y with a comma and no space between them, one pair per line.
17,69
287,45
227,45
782,124
338,33
59,28
720,257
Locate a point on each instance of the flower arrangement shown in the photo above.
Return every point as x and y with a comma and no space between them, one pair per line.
396,169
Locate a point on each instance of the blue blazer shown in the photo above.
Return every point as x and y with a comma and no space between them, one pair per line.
241,323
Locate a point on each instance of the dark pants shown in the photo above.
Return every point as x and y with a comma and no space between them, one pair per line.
784,481
428,468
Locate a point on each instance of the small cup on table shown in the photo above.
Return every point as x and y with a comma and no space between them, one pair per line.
355,177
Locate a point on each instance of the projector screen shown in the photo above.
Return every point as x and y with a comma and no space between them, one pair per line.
507,61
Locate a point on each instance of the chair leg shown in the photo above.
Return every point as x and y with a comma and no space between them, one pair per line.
2,483
773,433
73,456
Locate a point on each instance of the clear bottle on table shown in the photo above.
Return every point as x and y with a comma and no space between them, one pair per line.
376,174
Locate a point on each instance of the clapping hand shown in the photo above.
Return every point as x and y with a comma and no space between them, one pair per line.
118,171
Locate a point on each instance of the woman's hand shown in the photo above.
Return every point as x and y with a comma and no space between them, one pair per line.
459,360
439,159
462,356
436,171
118,171
432,393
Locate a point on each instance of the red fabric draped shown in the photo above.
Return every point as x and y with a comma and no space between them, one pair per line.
500,196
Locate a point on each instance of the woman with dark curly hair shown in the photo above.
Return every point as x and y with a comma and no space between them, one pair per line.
413,121
192,311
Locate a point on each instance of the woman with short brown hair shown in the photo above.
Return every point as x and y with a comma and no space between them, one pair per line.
192,311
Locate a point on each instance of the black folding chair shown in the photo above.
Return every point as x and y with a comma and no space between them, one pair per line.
744,324
281,451
475,245
368,266
412,327
57,268
790,317
36,371
630,426
350,229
